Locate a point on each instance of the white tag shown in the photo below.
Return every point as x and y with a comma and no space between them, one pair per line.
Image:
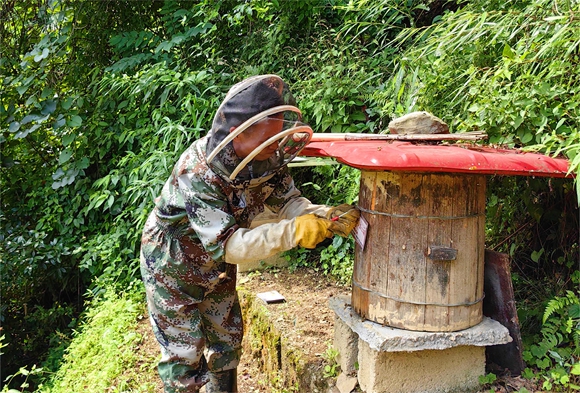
360,232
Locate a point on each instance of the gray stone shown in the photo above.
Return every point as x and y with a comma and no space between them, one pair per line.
346,384
346,343
333,389
387,339
418,123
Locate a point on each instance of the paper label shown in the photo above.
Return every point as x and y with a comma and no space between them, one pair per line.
360,232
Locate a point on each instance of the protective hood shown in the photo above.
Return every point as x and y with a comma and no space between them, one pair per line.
262,99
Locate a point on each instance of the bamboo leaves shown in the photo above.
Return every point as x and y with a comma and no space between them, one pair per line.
517,79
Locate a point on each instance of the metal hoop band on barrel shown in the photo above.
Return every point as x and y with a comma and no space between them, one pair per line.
421,217
417,303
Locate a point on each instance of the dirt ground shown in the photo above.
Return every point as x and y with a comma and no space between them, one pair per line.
306,319
304,316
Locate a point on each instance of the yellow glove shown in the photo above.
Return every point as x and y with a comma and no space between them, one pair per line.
311,230
344,218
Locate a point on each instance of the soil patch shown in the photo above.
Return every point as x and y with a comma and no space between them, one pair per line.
304,318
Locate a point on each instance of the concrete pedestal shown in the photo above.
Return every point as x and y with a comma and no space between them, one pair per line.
389,360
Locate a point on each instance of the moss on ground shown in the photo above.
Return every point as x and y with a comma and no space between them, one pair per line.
285,365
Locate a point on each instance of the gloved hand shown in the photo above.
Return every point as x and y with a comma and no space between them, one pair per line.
345,217
312,229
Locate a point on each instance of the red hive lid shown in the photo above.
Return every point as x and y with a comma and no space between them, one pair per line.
412,157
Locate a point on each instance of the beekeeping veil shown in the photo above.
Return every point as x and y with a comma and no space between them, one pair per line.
256,99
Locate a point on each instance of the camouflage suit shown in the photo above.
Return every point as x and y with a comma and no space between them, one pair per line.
190,287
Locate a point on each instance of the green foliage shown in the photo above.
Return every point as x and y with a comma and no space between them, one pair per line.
337,259
84,154
373,52
557,351
106,338
26,373
337,80
103,347
300,257
548,207
376,23
39,287
335,104
511,72
535,221
329,184
332,368
487,379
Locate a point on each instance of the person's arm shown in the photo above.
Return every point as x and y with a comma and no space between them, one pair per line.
261,242
223,239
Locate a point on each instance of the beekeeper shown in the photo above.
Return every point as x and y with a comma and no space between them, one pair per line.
200,229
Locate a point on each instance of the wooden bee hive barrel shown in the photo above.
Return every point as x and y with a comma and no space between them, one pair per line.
422,264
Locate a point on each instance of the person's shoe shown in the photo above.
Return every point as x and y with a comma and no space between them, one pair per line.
223,382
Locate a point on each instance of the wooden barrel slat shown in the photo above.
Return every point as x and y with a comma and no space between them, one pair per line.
395,282
439,202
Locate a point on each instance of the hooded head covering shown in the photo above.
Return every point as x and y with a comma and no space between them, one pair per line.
247,103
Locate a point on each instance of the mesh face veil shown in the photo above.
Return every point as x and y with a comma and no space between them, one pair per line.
259,109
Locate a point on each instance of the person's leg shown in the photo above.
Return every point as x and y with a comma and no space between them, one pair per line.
182,378
177,325
223,326
181,281
223,381
179,331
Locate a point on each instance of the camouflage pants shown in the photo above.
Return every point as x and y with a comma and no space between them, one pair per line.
194,312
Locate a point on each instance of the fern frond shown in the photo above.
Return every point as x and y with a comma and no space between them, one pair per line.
554,305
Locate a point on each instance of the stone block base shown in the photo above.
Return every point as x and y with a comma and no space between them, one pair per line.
431,371
389,360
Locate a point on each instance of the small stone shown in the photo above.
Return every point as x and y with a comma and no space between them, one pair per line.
418,123
346,384
271,297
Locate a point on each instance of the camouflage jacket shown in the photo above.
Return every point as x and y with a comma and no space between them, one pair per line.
203,209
